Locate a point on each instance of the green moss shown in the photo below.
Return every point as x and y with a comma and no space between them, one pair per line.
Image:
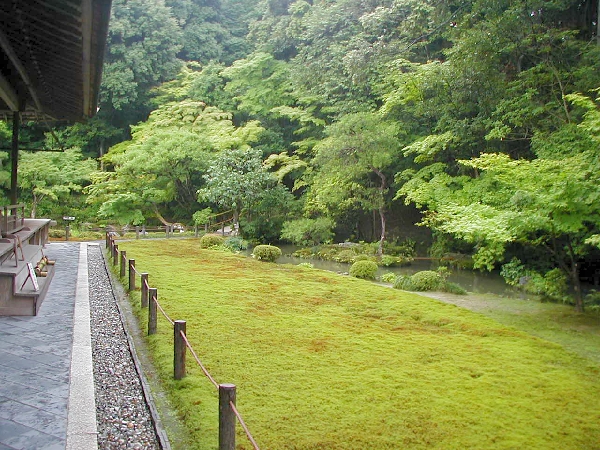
323,361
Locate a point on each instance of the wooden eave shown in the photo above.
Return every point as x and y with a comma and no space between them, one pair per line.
51,55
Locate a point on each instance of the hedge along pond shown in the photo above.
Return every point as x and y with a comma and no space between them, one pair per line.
325,361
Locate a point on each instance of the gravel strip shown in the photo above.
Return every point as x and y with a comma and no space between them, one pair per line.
124,419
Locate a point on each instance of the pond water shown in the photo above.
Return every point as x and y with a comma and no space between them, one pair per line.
472,281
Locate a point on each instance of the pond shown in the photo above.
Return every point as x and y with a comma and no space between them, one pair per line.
472,281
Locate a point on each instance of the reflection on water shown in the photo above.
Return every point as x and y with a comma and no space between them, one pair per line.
472,281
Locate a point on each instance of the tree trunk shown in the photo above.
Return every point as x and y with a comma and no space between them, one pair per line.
381,209
34,202
574,273
382,217
236,221
577,287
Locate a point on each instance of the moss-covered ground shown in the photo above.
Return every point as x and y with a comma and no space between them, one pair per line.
323,361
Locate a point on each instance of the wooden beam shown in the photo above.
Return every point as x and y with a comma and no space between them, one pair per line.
86,31
8,94
14,155
10,52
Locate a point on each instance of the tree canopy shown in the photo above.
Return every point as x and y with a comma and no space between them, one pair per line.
484,115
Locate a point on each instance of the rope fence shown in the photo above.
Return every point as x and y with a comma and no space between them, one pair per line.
228,413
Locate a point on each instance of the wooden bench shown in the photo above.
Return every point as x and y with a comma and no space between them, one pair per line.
22,239
8,248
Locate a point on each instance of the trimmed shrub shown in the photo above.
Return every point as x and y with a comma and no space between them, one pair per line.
211,240
388,278
364,269
266,253
56,233
426,280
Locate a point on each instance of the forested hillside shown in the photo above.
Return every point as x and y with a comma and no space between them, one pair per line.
308,118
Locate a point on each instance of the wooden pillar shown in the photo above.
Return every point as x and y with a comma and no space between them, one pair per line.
115,254
123,264
226,417
152,310
179,350
14,158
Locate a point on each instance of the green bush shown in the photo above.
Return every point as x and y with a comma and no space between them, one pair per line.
426,280
304,253
306,265
552,285
235,244
404,282
56,233
364,269
307,232
555,285
387,260
513,272
454,288
396,248
211,240
266,253
365,258
388,277
346,256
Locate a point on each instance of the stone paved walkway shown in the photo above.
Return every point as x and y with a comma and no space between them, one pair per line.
35,363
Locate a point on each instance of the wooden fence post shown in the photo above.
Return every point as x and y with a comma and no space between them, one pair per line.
132,274
123,264
107,239
179,350
152,310
67,232
144,288
137,232
226,417
115,254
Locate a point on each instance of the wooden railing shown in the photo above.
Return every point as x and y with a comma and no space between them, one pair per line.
13,218
228,412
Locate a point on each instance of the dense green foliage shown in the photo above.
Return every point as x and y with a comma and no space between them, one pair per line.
364,269
352,352
268,253
428,280
211,240
318,121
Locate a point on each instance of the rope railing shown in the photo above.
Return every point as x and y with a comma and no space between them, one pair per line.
160,308
204,370
243,424
228,413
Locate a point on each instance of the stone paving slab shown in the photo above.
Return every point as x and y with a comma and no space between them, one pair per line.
35,362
